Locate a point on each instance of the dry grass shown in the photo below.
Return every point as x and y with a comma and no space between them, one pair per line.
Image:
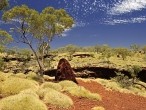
66,84
14,85
51,96
22,102
112,85
55,86
98,108
81,92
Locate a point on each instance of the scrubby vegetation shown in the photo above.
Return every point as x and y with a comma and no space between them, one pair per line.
19,91
22,83
22,102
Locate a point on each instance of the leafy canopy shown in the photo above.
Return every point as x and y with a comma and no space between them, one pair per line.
5,37
3,4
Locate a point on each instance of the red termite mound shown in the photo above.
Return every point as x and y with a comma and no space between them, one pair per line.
64,71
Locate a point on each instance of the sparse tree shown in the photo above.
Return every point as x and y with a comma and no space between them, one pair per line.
106,52
5,38
144,49
135,47
123,52
71,49
36,28
97,48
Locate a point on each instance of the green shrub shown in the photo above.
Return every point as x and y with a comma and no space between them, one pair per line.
123,80
82,92
56,98
14,85
55,86
22,102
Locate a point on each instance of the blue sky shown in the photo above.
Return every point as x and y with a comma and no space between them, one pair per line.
118,23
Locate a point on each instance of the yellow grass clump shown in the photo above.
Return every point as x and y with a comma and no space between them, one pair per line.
51,96
14,85
66,84
2,76
20,75
30,92
22,102
33,76
80,91
55,86
112,85
98,108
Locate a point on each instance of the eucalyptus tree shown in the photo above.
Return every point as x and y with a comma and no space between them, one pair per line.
5,38
37,29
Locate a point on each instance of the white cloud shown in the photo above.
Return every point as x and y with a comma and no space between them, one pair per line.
125,21
126,6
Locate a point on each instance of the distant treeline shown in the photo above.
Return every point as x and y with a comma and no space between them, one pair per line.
98,48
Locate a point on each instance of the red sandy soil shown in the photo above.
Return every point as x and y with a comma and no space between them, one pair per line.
111,100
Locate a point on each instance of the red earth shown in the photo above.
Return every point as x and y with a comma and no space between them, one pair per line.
111,100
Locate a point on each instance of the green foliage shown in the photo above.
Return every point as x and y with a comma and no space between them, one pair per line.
56,98
123,80
97,48
122,51
3,4
22,102
42,27
71,49
5,38
135,47
134,70
106,52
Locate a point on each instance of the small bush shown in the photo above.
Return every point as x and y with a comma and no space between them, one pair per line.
14,85
52,85
56,98
82,92
22,102
123,80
